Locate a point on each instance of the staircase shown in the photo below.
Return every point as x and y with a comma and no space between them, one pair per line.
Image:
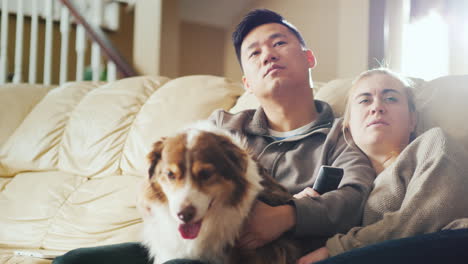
89,20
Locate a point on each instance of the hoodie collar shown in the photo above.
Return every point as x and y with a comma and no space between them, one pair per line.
259,123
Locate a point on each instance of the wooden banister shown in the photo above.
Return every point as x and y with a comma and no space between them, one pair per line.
98,36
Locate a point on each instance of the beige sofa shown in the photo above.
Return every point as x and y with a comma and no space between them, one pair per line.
71,157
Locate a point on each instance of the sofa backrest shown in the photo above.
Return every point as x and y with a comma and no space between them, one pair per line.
93,129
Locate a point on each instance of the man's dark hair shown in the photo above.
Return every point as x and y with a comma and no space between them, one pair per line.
257,18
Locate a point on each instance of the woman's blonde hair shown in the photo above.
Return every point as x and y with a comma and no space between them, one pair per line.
407,84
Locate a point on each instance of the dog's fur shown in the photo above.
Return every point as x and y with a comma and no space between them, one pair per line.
205,175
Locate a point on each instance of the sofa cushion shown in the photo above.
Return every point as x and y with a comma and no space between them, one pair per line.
34,144
97,128
60,211
443,102
246,101
335,93
94,211
16,101
174,105
29,205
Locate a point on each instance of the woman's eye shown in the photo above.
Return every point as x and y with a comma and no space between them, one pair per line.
363,101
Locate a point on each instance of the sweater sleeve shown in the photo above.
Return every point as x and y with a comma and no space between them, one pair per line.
434,180
338,210
216,117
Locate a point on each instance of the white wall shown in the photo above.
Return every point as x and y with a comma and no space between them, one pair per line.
156,39
353,37
147,40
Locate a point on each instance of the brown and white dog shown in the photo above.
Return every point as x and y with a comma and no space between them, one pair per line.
201,187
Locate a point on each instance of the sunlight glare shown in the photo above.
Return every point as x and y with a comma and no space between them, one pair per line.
425,51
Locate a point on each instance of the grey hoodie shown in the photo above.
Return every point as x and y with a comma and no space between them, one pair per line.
295,163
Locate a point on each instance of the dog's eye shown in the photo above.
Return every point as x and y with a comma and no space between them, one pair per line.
204,175
170,175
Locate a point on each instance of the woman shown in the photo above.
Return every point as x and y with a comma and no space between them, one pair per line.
420,186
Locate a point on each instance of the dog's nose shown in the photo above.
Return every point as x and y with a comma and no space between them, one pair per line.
187,213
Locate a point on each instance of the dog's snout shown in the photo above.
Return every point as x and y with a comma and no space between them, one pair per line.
187,214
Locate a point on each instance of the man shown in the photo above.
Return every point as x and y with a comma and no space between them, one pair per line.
291,135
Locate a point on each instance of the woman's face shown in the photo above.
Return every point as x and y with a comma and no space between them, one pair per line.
379,114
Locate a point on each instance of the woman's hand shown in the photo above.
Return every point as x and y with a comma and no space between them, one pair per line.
307,192
314,256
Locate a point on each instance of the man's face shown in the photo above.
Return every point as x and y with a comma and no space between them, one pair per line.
274,62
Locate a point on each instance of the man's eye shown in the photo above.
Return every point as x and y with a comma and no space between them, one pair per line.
391,99
279,43
255,53
364,101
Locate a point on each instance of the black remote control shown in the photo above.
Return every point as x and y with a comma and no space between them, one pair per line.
328,179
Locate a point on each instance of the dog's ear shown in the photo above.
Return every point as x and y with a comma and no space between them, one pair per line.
235,164
155,155
235,155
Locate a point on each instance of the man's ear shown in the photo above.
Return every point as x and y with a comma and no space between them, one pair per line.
311,58
246,84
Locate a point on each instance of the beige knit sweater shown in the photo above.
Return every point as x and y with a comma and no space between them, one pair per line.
423,191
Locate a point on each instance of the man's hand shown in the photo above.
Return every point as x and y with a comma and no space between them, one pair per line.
307,192
265,224
314,256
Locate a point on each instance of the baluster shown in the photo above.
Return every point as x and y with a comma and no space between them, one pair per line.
4,43
33,43
48,43
64,31
19,42
95,49
111,71
95,61
80,47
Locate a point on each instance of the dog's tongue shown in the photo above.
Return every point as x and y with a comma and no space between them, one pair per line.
190,231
